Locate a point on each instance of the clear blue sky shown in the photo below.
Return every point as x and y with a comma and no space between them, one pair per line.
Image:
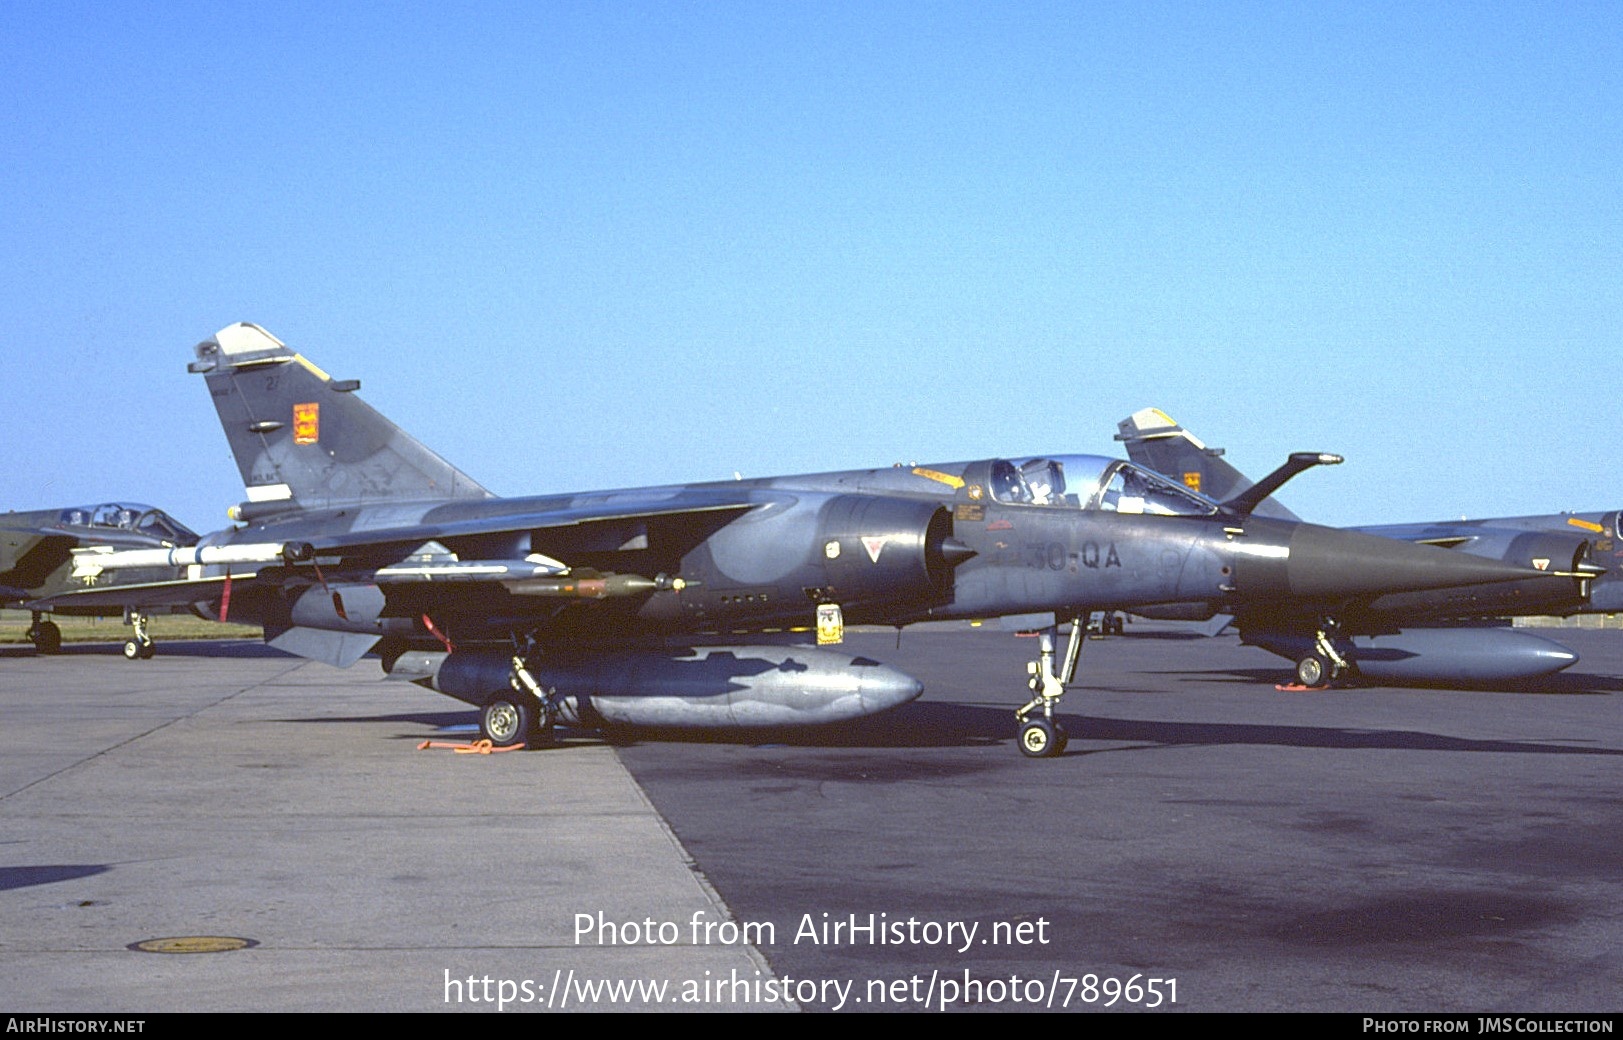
580,245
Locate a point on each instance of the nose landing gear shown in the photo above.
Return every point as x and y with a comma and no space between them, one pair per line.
140,646
1042,736
1324,664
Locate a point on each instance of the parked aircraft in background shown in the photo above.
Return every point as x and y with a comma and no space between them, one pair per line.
1411,638
36,554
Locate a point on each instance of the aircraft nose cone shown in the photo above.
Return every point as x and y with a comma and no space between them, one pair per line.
1307,560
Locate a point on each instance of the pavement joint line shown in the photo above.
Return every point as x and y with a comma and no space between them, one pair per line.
293,666
710,892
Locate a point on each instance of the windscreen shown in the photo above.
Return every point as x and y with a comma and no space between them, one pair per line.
1093,482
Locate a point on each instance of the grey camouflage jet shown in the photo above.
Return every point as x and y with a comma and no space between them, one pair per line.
36,563
691,605
1416,637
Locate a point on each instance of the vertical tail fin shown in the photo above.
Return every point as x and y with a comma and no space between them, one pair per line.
1154,440
303,440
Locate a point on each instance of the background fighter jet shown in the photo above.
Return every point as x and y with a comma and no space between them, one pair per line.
1387,640
36,563
669,606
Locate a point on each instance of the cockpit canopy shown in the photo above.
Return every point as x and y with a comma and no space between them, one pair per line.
131,517
1093,482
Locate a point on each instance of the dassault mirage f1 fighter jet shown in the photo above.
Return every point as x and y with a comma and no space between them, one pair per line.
1415,637
679,605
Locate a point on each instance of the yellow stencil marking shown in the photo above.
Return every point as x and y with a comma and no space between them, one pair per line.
944,478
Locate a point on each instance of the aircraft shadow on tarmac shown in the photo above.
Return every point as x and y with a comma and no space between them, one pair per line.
47,874
951,725
1562,683
222,648
943,725
1146,735
912,725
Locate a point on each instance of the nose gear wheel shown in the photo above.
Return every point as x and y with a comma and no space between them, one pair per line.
1042,736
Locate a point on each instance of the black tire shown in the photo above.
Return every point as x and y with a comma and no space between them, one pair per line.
1061,739
1314,670
47,638
1038,739
132,650
149,651
510,718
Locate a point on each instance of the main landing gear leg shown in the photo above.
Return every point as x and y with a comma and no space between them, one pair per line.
523,714
1044,737
139,647
46,637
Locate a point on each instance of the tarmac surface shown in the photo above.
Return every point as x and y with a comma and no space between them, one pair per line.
1363,849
